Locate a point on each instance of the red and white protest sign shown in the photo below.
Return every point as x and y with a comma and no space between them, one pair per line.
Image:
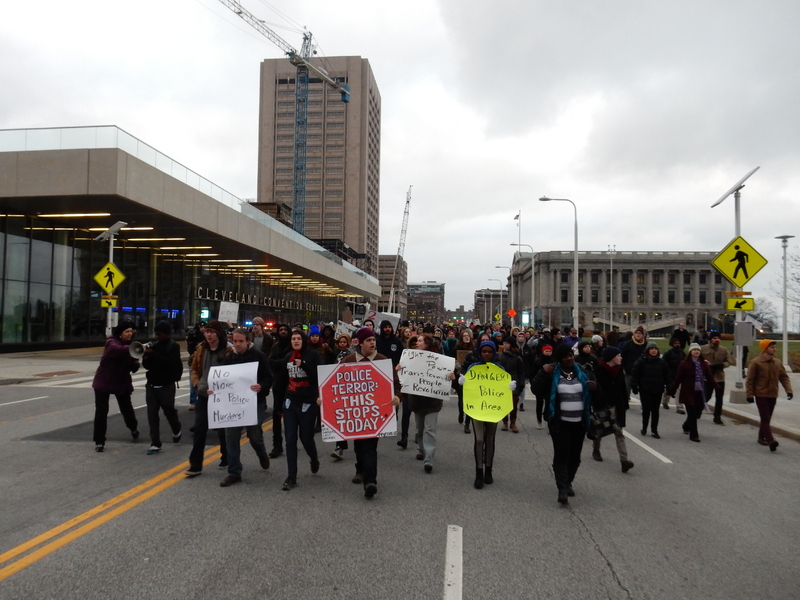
357,400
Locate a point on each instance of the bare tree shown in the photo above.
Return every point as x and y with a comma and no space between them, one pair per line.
765,312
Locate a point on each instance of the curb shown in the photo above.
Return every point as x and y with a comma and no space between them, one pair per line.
19,380
788,432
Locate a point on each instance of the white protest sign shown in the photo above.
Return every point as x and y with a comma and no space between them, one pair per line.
231,402
426,373
229,312
342,327
378,318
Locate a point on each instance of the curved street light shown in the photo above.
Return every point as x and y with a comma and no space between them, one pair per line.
575,311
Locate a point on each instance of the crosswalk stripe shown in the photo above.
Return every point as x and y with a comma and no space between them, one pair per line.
77,382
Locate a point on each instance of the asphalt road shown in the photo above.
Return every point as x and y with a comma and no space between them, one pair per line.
719,520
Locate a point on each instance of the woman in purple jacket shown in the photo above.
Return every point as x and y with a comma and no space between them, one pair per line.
113,376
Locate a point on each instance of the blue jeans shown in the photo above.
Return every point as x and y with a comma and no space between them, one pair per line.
295,420
192,395
255,434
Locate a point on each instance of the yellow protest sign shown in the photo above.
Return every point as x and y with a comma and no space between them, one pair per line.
109,277
487,396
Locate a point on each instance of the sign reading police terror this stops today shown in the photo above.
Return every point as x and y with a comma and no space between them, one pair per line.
357,400
231,402
487,396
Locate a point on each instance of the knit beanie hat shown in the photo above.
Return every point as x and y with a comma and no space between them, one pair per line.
694,347
596,339
650,345
489,343
562,350
639,329
117,331
313,330
609,353
163,327
764,344
363,334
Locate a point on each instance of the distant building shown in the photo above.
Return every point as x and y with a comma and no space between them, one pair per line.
343,154
655,289
386,273
488,304
459,315
426,302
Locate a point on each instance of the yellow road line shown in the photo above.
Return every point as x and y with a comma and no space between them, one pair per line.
211,455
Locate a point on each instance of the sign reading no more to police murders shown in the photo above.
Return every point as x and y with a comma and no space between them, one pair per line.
357,400
231,402
739,262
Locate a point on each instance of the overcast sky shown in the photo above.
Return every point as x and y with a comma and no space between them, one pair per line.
643,113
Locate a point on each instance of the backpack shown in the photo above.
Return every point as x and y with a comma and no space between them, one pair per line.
177,366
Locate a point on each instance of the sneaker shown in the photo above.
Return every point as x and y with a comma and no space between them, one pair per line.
562,497
428,468
135,435
538,424
522,407
370,490
275,452
655,435
193,471
230,480
358,478
773,445
177,437
290,483
665,406
514,428
504,427
191,407
718,422
420,456
626,466
153,450
315,466
466,428
570,492
597,456
223,464
644,431
337,454
761,441
99,447
488,479
681,411
264,462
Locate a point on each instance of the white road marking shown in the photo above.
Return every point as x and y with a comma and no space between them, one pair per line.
658,455
453,567
27,400
182,396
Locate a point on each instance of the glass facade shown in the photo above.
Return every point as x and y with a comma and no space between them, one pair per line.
48,293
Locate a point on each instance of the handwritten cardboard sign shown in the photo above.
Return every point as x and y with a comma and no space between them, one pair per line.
486,393
426,373
231,402
357,400
342,327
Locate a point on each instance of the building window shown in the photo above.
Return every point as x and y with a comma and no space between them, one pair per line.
564,277
626,278
656,279
580,296
702,277
565,296
702,296
608,277
687,278
717,278
671,296
580,277
595,277
717,297
671,278
640,296
625,296
595,295
640,278
687,296
608,295
656,296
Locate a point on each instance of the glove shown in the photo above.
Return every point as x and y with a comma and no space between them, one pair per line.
789,396
750,399
635,390
461,380
512,385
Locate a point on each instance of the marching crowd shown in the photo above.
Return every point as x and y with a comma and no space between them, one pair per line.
580,388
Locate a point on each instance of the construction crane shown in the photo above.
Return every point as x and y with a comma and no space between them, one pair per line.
400,248
301,61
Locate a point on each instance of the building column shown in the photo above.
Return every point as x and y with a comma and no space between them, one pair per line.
680,290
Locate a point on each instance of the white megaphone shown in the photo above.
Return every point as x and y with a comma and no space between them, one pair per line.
137,349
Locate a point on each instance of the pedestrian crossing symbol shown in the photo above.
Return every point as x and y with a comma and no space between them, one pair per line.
739,262
109,277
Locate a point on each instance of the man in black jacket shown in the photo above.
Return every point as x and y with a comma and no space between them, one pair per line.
277,354
673,358
389,344
164,367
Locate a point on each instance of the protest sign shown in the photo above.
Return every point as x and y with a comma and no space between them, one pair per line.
231,402
486,393
378,318
426,373
357,400
229,312
342,327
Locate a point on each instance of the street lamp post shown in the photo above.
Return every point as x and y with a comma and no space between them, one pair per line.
575,311
533,288
501,299
511,301
785,243
109,234
612,250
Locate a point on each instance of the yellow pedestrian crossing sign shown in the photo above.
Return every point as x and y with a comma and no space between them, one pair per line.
740,304
739,262
109,277
497,317
108,302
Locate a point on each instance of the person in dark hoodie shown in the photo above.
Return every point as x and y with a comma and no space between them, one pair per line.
113,376
584,355
164,367
631,351
300,409
673,358
512,363
651,378
245,352
389,344
276,355
545,358
614,392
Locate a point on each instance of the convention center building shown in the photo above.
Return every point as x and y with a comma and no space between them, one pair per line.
186,250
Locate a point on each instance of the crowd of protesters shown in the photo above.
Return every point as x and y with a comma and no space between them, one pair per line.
573,378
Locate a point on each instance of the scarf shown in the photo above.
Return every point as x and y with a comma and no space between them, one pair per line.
587,402
699,378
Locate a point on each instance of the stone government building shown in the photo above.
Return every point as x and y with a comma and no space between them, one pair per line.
655,289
